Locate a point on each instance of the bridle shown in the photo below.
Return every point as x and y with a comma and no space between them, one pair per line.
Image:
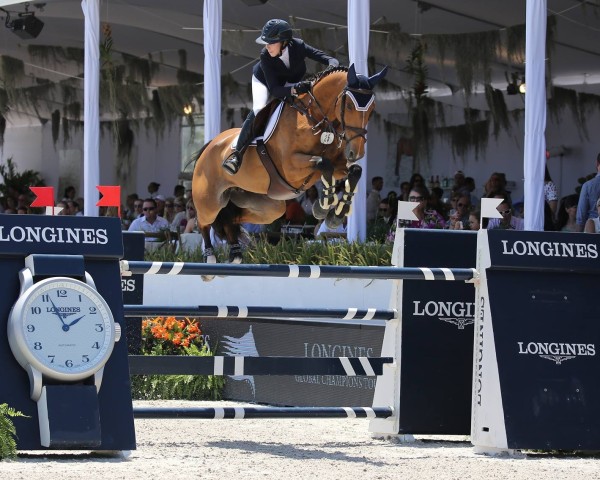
337,127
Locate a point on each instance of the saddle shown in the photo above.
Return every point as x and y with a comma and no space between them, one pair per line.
262,128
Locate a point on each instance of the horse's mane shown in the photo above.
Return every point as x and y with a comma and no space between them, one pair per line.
328,71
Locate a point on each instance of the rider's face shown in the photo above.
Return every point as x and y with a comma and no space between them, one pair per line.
274,49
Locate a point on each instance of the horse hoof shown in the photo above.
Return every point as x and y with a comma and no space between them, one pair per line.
333,221
318,212
207,278
237,260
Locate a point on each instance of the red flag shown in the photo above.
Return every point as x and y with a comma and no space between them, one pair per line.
111,196
44,196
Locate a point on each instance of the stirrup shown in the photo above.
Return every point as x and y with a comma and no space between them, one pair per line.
232,163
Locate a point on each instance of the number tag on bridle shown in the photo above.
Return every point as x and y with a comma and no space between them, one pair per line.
327,138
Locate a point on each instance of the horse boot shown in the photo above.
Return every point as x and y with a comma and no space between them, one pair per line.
234,161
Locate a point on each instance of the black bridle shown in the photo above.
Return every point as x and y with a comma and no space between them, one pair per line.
326,125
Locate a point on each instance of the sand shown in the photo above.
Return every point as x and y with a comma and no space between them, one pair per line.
290,449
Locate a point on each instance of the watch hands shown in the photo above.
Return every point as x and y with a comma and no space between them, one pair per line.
55,310
75,321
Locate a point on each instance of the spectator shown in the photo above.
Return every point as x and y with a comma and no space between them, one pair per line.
460,219
590,192
495,187
550,193
474,220
460,187
178,191
310,197
427,217
470,187
404,191
592,225
508,221
153,189
138,209
566,219
374,198
169,212
191,224
416,180
69,193
293,212
64,208
160,205
129,212
180,220
150,223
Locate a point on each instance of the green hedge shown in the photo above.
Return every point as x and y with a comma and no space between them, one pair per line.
299,251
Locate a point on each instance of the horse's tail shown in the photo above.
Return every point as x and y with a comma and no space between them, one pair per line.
229,215
196,155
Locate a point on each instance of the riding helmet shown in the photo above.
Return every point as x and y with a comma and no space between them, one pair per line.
274,31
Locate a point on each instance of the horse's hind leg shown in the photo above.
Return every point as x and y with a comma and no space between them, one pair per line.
208,253
232,232
336,215
328,197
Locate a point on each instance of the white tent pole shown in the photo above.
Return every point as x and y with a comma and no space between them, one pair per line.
213,21
535,114
91,107
359,20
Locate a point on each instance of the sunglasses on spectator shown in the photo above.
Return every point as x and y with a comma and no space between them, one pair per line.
505,212
462,204
191,208
415,199
149,208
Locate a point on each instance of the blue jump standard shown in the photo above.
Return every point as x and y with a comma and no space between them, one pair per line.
296,271
257,312
266,412
219,365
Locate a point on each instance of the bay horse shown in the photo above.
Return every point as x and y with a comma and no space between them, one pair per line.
319,134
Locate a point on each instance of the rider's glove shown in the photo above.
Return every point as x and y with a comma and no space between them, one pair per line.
302,87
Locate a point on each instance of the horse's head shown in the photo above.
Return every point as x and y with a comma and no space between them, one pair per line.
356,104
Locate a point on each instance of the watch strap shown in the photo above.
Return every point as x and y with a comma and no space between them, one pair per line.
69,417
42,265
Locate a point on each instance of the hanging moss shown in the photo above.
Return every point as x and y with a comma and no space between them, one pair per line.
515,44
182,53
2,129
12,70
498,110
185,77
566,98
467,137
50,54
55,126
139,69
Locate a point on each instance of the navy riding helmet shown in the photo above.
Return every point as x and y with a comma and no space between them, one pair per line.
275,31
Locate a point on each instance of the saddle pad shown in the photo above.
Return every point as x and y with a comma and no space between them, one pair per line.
270,128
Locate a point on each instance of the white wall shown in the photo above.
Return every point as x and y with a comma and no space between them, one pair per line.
158,158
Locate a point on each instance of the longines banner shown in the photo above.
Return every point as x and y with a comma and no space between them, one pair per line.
300,339
437,335
543,305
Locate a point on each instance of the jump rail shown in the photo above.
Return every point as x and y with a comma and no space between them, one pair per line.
192,365
270,412
296,271
257,312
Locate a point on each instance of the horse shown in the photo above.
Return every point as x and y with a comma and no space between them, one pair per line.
321,133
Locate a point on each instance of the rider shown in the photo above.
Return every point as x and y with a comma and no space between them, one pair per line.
279,73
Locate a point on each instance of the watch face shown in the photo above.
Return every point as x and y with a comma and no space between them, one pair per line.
63,327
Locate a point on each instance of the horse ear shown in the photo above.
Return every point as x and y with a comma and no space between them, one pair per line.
375,79
352,80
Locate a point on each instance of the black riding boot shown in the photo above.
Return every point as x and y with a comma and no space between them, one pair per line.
234,161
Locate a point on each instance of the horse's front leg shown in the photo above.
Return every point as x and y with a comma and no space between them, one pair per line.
328,198
208,252
335,217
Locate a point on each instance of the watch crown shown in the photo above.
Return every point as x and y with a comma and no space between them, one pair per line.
117,332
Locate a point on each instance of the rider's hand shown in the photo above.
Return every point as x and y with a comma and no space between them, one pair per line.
302,87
